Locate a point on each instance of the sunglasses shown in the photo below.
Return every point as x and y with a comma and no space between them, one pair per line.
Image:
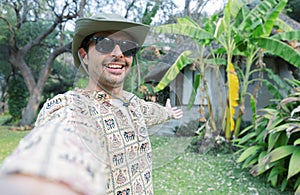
107,45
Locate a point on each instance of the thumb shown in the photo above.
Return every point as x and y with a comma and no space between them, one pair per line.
168,103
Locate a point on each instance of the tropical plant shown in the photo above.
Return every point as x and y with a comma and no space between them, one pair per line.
240,32
271,145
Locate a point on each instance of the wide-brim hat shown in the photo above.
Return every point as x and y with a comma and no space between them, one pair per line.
106,22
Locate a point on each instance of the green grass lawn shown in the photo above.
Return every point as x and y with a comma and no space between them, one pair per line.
9,140
176,171
190,173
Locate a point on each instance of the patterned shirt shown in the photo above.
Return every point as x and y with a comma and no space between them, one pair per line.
91,142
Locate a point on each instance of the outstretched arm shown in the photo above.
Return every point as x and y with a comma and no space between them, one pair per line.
29,185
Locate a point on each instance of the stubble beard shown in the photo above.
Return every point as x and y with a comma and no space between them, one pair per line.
113,81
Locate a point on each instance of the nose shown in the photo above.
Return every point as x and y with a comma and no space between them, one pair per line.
117,52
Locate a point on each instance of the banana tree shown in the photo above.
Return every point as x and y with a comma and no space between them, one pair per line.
239,32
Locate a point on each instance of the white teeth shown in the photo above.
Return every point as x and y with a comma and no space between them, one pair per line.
114,66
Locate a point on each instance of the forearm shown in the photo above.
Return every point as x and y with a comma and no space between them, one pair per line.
155,114
18,184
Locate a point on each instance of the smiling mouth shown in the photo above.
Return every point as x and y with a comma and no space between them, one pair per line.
114,66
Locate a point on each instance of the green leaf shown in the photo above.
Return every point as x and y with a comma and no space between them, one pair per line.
272,140
274,122
281,24
182,61
297,142
275,77
280,49
279,153
297,183
272,17
282,127
294,167
249,162
255,16
235,7
261,156
248,128
273,176
288,36
187,21
297,192
253,108
259,169
247,137
283,184
296,110
194,91
248,152
195,33
272,89
215,61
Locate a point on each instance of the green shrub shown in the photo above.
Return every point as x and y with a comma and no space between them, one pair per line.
17,97
271,145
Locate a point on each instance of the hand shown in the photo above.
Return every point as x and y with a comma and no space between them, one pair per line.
177,113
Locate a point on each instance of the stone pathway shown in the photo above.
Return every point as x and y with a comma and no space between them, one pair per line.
169,128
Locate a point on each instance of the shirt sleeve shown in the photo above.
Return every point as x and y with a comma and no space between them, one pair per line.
64,146
154,113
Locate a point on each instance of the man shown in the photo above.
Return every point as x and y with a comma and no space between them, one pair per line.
93,140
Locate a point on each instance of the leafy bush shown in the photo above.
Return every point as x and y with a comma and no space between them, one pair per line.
271,145
17,97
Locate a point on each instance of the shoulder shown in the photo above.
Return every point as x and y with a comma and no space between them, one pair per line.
61,100
71,101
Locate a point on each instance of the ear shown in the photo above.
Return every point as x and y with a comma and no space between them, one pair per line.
84,56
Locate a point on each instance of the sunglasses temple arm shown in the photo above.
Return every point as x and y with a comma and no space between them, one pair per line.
82,63
138,70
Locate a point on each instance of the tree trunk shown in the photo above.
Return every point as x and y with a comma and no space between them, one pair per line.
187,10
31,108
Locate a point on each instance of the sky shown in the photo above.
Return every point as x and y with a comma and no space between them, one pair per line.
210,7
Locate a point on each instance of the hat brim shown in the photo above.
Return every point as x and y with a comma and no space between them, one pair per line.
88,26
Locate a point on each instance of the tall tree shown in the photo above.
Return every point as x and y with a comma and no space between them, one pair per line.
52,15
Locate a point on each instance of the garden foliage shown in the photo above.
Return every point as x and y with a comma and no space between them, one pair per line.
271,145
18,95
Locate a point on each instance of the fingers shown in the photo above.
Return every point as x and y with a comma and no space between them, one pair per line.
168,103
177,113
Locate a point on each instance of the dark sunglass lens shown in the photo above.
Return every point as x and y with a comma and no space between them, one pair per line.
105,45
130,52
129,48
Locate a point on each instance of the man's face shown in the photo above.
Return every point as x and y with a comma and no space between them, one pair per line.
108,68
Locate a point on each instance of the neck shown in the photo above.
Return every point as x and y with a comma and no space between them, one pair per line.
115,91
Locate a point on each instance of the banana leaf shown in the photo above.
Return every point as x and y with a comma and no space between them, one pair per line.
182,61
194,91
288,36
272,17
191,31
253,19
280,49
